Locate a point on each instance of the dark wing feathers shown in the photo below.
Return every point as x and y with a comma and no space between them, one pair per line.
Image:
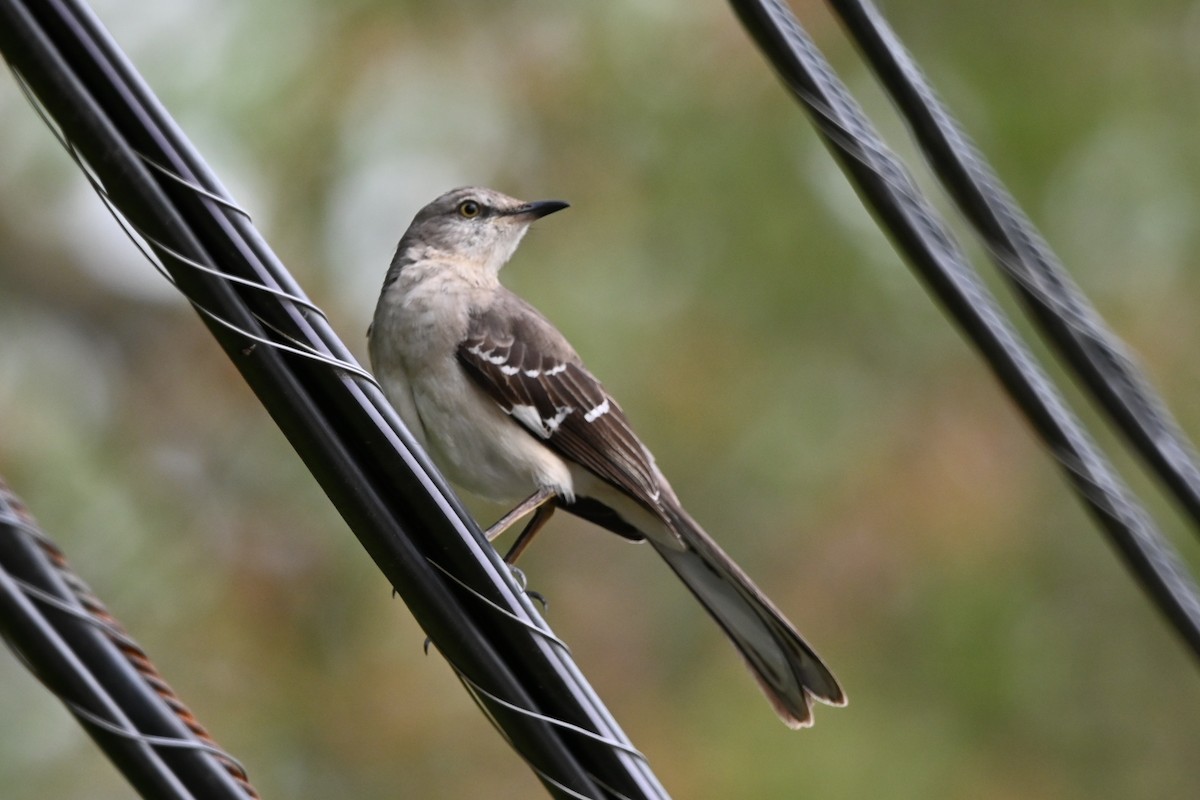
527,367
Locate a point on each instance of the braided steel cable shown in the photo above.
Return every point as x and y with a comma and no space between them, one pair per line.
67,638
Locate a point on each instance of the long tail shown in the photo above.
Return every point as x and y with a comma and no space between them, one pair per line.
786,668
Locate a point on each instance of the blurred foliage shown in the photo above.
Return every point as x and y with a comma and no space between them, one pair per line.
809,402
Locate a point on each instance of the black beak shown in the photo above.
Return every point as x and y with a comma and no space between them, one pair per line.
539,208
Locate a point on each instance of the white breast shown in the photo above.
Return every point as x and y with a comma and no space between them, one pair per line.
416,331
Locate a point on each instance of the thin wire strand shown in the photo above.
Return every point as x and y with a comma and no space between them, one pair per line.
153,740
226,202
558,723
528,624
542,774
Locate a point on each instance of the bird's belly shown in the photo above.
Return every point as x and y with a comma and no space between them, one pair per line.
481,448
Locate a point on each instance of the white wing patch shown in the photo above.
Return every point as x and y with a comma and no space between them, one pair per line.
490,357
557,369
543,427
502,361
597,412
522,363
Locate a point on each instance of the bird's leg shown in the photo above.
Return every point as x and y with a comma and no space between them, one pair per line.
541,503
535,500
540,518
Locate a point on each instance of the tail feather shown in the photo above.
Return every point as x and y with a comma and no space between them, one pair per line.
787,669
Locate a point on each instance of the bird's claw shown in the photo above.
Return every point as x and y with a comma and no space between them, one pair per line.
522,582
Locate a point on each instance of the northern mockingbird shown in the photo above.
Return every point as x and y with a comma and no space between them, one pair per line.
503,404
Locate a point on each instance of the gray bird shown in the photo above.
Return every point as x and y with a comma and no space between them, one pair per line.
506,409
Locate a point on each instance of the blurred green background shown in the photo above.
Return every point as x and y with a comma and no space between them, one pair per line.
810,403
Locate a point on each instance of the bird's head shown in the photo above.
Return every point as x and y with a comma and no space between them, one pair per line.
473,224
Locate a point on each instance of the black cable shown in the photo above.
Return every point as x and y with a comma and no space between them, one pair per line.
1062,312
338,421
84,659
890,193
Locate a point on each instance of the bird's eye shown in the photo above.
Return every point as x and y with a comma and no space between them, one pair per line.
469,209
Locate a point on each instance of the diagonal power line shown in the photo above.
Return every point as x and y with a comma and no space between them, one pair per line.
336,417
924,239
66,637
1064,315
